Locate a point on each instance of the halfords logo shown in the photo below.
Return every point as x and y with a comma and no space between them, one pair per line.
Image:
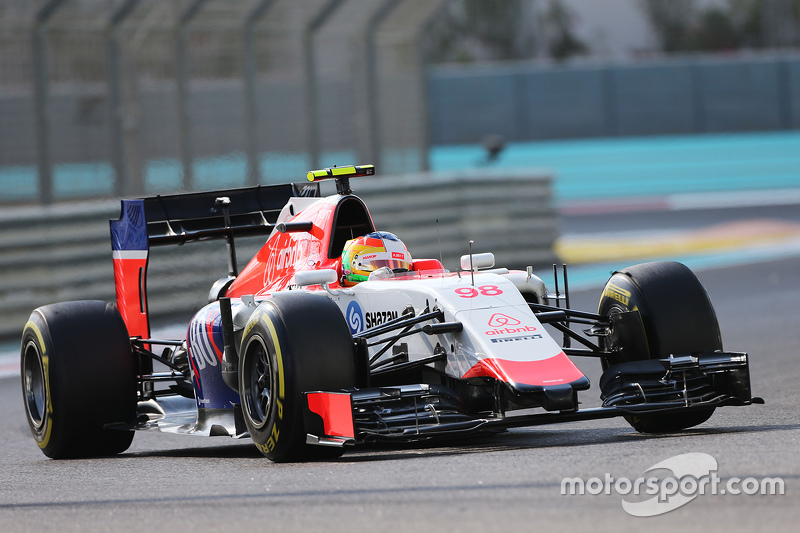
693,474
398,255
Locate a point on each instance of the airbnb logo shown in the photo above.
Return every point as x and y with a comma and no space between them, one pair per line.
500,320
503,325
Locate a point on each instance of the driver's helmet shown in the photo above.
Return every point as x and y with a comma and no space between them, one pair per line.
368,253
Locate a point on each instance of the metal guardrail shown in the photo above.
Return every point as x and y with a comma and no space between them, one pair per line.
63,252
52,254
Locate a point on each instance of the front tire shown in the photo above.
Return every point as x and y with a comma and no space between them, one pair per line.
293,343
78,374
677,317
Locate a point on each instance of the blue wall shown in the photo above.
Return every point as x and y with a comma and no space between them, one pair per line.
689,95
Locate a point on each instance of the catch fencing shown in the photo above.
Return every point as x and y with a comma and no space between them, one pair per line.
130,97
102,99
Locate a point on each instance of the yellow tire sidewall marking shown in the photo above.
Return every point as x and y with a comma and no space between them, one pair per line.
275,432
48,397
278,354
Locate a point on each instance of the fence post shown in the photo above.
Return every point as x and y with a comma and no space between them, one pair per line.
249,68
422,58
128,173
374,147
309,64
41,80
182,81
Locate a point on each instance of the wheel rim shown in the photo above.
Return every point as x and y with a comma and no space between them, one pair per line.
33,381
257,383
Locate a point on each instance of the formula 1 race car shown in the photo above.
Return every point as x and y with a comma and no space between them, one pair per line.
306,358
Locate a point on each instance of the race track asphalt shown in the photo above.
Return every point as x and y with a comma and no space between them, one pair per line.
505,482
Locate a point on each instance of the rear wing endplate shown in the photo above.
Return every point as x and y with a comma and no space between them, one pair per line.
180,218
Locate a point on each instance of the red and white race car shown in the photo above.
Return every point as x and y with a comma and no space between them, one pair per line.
308,354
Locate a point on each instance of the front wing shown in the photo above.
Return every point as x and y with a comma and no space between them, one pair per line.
414,412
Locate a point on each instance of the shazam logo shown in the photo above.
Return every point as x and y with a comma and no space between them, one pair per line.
355,318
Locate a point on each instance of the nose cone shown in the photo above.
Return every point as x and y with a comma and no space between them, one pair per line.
558,370
549,383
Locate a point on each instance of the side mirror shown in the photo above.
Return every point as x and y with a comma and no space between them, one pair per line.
315,277
478,261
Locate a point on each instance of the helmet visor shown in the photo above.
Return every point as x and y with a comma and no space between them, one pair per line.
391,264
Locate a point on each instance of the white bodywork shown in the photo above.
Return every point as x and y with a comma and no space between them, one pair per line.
497,321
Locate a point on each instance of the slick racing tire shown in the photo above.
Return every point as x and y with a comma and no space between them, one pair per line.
78,374
677,318
293,343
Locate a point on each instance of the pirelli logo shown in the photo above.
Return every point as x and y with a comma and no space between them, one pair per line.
617,293
515,339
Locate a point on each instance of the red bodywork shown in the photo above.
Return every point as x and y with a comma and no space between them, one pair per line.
335,220
129,273
275,264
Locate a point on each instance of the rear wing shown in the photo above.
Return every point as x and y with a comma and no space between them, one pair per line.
180,218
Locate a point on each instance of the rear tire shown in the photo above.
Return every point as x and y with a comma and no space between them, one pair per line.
293,343
677,317
78,374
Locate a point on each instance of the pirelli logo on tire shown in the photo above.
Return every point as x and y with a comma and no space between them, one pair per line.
617,293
